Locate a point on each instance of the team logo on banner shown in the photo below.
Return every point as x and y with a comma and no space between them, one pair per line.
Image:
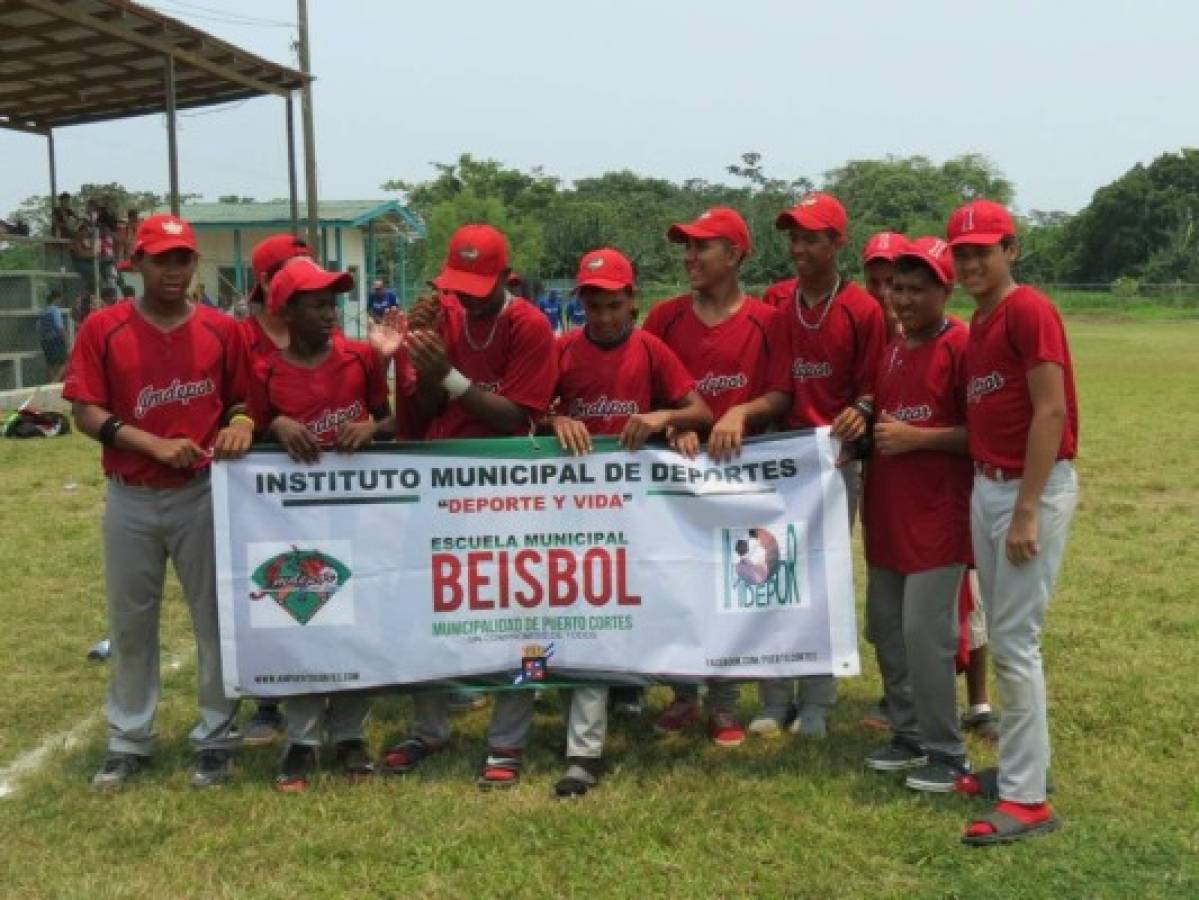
762,568
300,581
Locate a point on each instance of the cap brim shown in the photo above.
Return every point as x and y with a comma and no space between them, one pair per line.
680,233
789,219
930,263
978,238
465,283
884,255
164,245
604,284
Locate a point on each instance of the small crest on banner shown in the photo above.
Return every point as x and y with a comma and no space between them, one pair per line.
534,663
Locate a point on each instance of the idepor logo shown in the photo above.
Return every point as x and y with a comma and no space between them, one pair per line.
762,568
301,582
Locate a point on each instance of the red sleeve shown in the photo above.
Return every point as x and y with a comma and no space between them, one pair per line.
672,381
1036,333
377,399
653,322
86,380
872,329
532,372
237,363
258,401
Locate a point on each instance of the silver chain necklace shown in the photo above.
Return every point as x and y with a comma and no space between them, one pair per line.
479,348
824,315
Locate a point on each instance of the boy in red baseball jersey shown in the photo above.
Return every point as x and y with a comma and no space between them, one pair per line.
1022,417
263,333
613,379
878,262
916,516
720,334
319,392
484,366
160,383
829,337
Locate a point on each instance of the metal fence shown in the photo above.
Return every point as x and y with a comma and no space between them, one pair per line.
32,268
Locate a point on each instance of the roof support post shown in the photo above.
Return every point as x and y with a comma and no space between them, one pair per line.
292,190
172,147
309,128
53,174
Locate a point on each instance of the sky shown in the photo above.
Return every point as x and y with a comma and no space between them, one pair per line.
1062,96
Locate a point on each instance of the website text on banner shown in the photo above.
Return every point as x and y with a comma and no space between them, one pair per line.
505,562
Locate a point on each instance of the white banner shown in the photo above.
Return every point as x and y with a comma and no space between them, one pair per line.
503,561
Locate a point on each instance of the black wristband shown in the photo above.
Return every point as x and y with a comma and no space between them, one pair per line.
108,431
866,409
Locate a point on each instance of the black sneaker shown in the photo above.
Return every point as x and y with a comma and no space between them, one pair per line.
939,774
985,724
117,769
296,770
213,768
264,726
896,757
354,761
582,775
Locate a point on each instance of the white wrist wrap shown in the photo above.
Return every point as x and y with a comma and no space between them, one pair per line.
456,384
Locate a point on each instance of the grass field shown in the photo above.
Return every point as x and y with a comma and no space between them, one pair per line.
675,819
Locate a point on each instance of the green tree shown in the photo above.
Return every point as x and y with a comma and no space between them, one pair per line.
1140,225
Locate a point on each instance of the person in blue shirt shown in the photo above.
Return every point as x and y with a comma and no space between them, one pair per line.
551,306
52,330
576,316
379,301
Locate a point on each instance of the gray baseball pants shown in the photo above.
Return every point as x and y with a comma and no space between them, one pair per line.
1016,599
143,528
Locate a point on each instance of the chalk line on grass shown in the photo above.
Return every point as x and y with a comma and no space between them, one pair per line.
33,761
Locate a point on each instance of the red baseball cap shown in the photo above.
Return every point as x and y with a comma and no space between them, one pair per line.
606,269
303,274
718,222
934,253
478,255
164,232
886,245
983,222
268,255
815,212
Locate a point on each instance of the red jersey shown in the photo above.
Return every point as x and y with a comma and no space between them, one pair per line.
258,343
730,362
1022,332
173,384
348,386
780,293
603,387
826,356
514,359
916,506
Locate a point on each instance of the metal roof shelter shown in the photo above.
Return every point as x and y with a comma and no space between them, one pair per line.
72,62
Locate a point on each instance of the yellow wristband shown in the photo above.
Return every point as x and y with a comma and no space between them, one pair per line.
241,417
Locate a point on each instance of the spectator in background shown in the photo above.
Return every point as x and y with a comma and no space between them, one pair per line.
380,299
52,331
83,254
108,296
128,292
576,315
200,296
551,307
125,232
63,221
